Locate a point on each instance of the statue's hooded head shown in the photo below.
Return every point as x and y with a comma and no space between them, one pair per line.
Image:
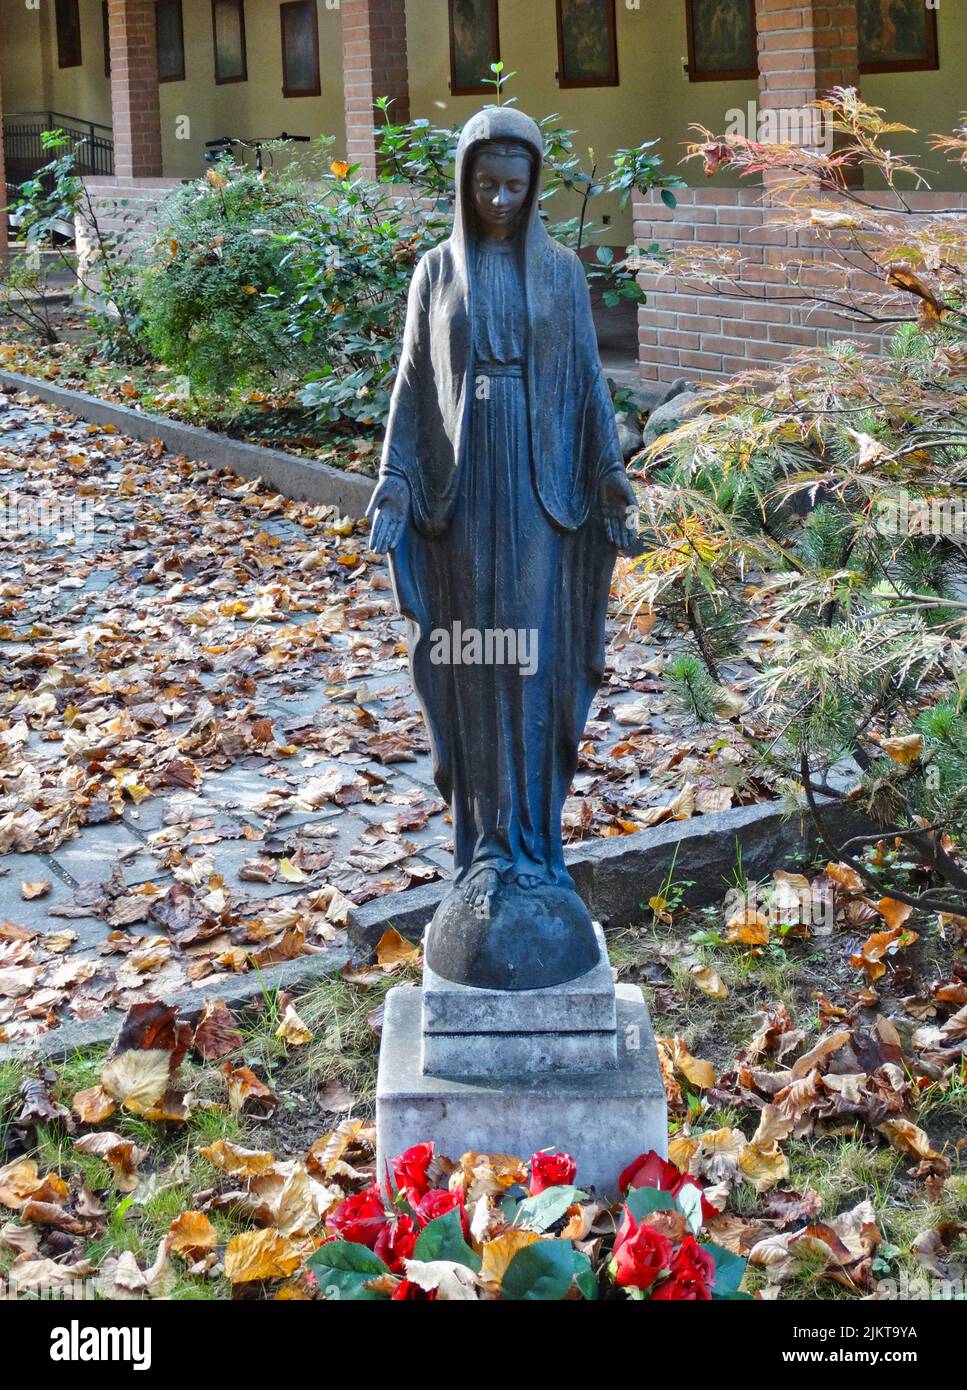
498,174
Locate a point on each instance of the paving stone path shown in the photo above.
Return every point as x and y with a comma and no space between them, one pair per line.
209,746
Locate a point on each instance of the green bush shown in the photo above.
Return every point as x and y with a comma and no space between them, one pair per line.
354,259
213,279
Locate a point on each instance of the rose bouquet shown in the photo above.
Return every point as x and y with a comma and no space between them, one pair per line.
494,1227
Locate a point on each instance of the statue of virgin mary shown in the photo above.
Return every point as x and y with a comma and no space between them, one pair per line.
503,502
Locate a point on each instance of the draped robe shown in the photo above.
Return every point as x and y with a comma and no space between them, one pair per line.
501,426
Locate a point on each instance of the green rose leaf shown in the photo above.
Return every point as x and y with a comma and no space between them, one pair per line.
729,1270
345,1267
584,1275
642,1201
689,1201
442,1239
540,1212
543,1271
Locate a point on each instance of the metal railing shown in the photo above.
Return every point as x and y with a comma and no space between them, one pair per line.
91,142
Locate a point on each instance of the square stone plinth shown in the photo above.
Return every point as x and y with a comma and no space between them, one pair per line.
584,1005
602,1119
469,1031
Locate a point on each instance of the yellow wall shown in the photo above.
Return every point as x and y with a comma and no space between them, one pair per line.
654,98
33,81
929,101
255,108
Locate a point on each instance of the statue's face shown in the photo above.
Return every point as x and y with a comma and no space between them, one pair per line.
499,187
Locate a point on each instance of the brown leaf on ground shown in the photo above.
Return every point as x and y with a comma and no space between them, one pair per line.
894,913
237,1161
710,982
122,1155
39,1106
394,951
247,1091
293,1029
819,1054
18,1181
217,1033
871,958
138,1079
29,891
908,1138
264,1254
696,1072
788,1207
748,927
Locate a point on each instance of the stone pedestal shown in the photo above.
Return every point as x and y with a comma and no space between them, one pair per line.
573,1067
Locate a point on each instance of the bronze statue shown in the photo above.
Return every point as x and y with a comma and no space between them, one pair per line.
503,501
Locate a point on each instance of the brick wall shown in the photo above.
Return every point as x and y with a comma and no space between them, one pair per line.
374,65
805,47
134,89
687,330
138,218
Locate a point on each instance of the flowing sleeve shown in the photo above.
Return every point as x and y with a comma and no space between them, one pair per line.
400,451
602,449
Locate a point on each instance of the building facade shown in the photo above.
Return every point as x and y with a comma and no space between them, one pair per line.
161,78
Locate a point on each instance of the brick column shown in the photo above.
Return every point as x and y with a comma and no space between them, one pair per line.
805,48
374,65
134,89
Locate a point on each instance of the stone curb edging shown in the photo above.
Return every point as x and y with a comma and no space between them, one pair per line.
614,876
301,479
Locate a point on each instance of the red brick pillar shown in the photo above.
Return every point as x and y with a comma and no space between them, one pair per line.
374,65
805,48
134,89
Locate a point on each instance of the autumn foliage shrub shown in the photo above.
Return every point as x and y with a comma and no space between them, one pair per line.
837,481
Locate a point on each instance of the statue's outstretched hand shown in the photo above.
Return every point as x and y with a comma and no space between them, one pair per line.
389,511
619,509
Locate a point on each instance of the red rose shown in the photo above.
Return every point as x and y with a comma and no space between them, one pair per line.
409,1170
649,1170
407,1292
551,1170
641,1254
395,1242
360,1218
686,1180
437,1202
692,1274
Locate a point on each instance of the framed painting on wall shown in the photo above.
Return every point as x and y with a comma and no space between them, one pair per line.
897,36
228,36
474,45
721,40
300,49
587,44
68,23
171,40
